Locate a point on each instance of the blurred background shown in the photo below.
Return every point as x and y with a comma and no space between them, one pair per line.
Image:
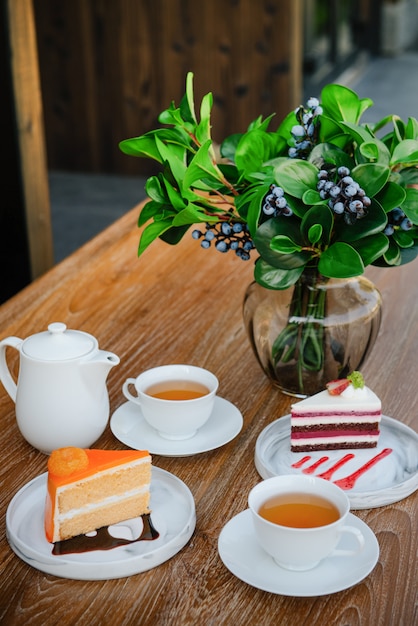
82,75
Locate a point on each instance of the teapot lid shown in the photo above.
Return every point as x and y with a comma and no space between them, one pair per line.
58,344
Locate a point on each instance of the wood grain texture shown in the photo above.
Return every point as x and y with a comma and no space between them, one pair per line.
30,133
109,68
183,304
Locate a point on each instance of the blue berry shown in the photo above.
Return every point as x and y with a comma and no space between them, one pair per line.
221,246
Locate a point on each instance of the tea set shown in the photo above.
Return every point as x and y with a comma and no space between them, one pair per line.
61,399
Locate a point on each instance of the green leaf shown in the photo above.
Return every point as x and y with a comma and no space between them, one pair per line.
315,233
375,151
374,222
174,234
403,239
201,166
274,278
174,196
253,149
176,164
154,190
410,205
411,130
152,232
252,199
321,216
150,210
311,197
392,255
296,176
330,154
341,103
187,104
283,244
405,152
141,147
372,177
192,214
289,227
371,248
391,196
340,261
204,126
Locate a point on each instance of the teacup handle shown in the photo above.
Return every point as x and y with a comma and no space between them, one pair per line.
127,393
360,541
5,375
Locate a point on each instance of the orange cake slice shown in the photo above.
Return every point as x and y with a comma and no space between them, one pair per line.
89,489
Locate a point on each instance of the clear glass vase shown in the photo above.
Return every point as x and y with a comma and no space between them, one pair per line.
316,331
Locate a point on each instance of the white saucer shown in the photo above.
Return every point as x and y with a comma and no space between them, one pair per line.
173,516
242,555
129,426
391,479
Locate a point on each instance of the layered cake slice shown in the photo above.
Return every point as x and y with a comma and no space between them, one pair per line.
89,489
345,415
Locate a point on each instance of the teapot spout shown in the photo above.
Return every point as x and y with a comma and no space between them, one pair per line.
98,367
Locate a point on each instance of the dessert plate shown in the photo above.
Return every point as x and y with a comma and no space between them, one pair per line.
129,426
173,516
379,476
241,553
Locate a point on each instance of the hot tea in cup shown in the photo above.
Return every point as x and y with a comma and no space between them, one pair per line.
175,400
299,520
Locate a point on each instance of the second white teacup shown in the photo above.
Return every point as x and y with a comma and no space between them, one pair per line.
175,400
292,501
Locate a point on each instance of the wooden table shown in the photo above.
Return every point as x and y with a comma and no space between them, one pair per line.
183,304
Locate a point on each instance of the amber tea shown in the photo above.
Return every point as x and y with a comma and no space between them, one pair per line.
177,390
299,510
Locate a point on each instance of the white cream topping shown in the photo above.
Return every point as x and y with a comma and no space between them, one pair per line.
360,393
324,401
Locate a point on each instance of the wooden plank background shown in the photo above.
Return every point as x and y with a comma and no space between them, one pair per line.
108,68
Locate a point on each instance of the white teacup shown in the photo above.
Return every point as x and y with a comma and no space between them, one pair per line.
298,548
174,418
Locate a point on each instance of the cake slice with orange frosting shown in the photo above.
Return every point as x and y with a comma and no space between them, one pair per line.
89,489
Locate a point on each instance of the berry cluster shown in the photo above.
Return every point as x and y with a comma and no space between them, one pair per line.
345,196
275,204
304,134
227,236
397,219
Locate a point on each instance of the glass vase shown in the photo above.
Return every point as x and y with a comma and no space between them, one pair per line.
316,331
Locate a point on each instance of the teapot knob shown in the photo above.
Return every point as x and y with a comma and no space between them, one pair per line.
57,327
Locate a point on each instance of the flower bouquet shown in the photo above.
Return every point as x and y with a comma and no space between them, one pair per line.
322,196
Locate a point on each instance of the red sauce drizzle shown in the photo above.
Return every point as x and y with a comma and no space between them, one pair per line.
349,481
300,462
328,474
311,469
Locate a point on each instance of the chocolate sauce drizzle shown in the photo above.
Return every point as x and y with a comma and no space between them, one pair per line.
103,540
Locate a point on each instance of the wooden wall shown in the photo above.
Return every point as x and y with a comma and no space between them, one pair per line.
109,67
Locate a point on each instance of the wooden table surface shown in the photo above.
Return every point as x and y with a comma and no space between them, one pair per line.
183,304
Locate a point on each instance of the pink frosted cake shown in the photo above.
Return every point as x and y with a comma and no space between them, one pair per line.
345,415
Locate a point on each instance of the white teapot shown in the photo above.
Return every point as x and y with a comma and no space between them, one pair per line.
61,395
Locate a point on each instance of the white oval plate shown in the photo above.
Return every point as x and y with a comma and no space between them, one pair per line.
129,426
173,516
391,479
241,553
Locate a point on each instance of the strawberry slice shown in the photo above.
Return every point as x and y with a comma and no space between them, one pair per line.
336,387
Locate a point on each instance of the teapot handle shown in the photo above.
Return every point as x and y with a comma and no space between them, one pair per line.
5,376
